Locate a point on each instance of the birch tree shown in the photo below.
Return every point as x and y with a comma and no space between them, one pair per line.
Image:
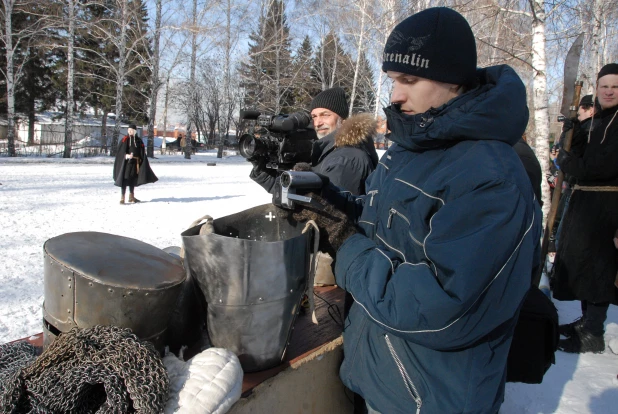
70,103
16,43
155,81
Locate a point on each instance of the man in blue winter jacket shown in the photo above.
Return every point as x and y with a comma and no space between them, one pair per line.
438,254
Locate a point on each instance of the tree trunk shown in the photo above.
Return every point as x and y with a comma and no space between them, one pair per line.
155,82
10,76
70,104
120,74
31,121
167,89
191,110
595,55
540,100
359,48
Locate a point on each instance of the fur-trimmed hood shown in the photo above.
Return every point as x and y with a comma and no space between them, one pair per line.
356,130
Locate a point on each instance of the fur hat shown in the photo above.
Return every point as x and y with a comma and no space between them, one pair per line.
436,43
333,99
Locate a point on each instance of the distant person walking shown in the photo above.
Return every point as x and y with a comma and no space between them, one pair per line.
131,167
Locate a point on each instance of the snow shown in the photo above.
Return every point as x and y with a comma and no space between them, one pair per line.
41,198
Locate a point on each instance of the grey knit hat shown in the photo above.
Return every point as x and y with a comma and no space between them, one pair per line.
333,99
436,43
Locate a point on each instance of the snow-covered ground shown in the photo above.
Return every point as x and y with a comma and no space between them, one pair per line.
42,198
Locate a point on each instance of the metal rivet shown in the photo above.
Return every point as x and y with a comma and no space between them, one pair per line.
69,310
291,290
220,301
90,284
260,299
110,290
146,294
69,279
69,286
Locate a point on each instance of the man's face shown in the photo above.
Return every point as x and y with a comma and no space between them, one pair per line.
324,121
607,91
131,131
584,112
416,95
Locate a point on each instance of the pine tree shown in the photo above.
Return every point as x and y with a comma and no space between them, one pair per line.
304,86
266,76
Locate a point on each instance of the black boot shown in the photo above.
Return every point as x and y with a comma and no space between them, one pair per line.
572,328
583,341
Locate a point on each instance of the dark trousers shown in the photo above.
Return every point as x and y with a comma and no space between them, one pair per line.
123,190
595,315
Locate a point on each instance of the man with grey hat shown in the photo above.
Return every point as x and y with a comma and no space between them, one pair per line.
438,254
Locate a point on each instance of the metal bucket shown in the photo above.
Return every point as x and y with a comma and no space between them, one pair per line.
252,272
95,278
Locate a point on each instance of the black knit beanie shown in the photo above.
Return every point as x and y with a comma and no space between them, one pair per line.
133,126
609,69
586,101
436,43
333,99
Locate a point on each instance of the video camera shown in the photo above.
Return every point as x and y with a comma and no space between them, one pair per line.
280,141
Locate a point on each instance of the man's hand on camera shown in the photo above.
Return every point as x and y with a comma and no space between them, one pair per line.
335,228
302,166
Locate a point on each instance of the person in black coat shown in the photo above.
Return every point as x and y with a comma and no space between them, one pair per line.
131,166
532,166
586,261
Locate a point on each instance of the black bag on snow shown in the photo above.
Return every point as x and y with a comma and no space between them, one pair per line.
535,340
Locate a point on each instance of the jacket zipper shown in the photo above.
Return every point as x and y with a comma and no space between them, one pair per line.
372,193
391,213
404,375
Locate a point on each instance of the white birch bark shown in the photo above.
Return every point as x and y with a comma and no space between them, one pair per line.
120,71
10,75
155,82
540,101
595,42
359,49
70,104
191,110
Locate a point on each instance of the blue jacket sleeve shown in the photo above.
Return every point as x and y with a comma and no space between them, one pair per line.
480,252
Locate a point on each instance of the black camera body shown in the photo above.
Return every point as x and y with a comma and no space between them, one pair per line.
280,141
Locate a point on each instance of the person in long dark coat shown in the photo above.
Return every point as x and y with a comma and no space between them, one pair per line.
586,261
131,167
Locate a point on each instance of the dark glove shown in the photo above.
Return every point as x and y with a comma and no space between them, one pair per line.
563,157
567,124
335,228
302,166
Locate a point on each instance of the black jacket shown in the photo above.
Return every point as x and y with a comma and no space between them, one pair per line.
532,166
145,174
587,261
346,156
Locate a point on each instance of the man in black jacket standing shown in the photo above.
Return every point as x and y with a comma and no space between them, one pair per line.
586,263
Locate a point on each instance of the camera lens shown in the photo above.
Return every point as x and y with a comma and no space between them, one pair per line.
246,146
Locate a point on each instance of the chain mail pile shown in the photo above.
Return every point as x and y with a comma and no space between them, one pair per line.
104,369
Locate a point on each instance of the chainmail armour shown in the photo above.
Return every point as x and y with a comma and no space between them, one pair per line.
104,369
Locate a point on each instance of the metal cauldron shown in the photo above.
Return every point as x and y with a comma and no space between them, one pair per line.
252,272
